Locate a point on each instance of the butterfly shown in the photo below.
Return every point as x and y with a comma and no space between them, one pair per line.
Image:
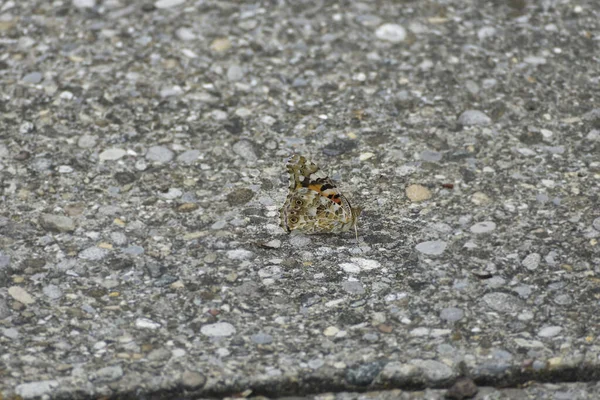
314,204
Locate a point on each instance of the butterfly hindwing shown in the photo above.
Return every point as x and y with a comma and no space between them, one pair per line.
314,204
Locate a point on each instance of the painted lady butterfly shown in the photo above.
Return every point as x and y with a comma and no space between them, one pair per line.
314,204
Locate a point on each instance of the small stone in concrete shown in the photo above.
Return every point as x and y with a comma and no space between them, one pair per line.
219,225
331,331
245,149
160,354
87,141
161,4
432,248
109,374
363,374
434,371
596,224
452,314
220,45
118,238
366,264
397,372
273,244
26,127
52,291
549,331
193,380
93,253
10,333
133,250
353,287
393,33
185,34
160,154
417,193
219,329
463,388
4,260
563,299
146,323
235,73
486,32
474,117
350,268
32,390
261,338
20,295
32,77
111,154
483,227
57,223
189,156
502,302
532,261
240,254
41,164
171,194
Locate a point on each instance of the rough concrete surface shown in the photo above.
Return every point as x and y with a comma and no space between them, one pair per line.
142,149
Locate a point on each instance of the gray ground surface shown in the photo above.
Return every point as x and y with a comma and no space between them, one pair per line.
142,151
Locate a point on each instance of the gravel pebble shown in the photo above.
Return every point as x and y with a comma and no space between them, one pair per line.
193,380
240,254
417,193
261,338
549,331
502,302
596,224
432,247
483,227
219,329
160,354
118,238
474,118
32,390
4,260
353,287
452,314
20,295
94,253
245,149
32,77
146,323
159,154
532,261
161,4
364,374
112,154
52,291
10,333
57,223
109,374
393,33
235,73
434,371
133,250
331,331
189,156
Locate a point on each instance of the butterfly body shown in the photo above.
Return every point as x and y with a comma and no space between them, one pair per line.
314,204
